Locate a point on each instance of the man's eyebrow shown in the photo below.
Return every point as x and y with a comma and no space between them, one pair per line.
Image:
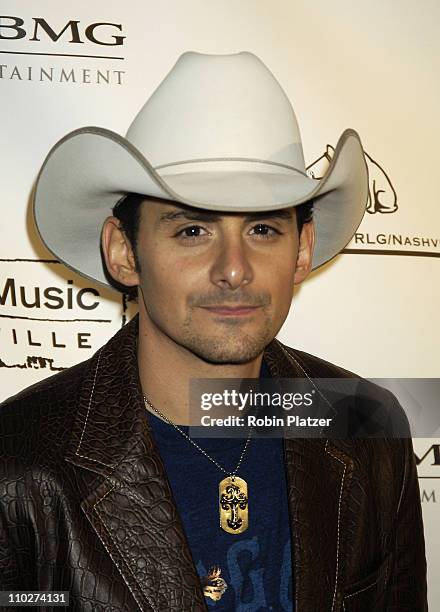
190,215
213,217
285,213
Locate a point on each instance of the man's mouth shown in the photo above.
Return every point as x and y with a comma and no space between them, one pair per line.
231,310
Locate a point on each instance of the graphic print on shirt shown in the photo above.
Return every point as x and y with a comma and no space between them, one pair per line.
247,582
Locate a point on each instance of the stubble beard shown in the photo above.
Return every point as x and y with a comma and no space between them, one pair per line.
231,345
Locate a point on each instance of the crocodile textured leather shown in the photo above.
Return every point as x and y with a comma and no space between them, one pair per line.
86,507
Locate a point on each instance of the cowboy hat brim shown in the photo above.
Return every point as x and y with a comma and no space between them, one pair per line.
88,171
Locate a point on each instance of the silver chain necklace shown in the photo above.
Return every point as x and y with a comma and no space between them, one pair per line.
233,490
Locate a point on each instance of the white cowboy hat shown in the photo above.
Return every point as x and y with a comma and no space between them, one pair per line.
219,133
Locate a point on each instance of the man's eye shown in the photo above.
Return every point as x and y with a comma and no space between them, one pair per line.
264,230
192,231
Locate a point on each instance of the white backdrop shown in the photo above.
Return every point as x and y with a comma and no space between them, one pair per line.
371,66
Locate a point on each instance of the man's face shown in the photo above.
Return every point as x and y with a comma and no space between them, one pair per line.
219,285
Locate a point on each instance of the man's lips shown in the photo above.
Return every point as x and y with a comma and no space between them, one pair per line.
231,310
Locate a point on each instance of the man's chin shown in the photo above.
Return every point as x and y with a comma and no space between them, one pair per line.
222,352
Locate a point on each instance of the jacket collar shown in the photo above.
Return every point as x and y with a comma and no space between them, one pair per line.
133,511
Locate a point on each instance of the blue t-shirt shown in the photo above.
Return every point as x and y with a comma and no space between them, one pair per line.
256,564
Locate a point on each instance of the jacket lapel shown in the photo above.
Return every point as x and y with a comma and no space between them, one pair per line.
132,509
318,477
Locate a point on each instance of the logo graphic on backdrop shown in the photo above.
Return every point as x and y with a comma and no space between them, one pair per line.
48,321
382,197
73,39
382,200
428,467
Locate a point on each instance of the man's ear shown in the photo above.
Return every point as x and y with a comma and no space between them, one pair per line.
305,252
118,253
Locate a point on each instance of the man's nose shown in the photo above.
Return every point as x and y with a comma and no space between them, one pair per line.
232,268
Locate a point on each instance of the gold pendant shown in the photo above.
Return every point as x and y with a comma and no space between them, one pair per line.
213,585
233,501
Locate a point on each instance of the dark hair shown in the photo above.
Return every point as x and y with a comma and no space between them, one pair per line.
304,214
128,211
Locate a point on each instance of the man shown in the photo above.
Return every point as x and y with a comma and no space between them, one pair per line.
104,492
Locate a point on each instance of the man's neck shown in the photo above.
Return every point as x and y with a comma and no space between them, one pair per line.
165,371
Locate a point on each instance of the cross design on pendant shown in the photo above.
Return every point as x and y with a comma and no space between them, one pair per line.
233,505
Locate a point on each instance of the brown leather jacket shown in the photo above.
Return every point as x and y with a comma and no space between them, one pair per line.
85,505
